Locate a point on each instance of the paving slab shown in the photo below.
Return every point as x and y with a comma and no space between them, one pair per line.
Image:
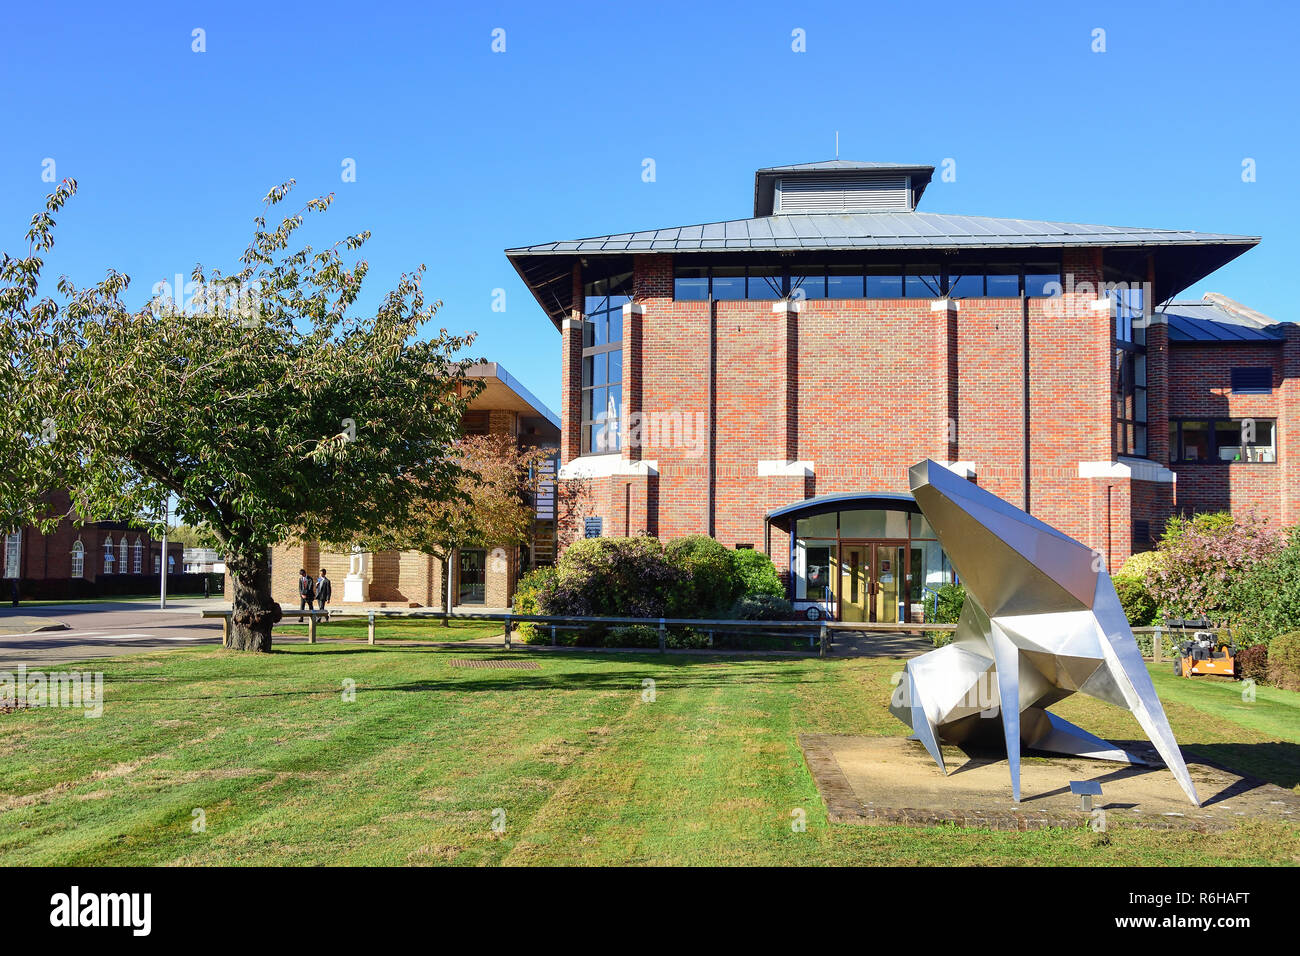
893,780
29,624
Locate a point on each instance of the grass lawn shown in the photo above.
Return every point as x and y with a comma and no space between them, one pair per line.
580,767
396,629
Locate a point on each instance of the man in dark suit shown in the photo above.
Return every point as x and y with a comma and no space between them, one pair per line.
306,591
324,589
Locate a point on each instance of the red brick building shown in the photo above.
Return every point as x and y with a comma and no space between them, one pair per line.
481,578
769,380
83,559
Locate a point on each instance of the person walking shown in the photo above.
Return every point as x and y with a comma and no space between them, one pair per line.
306,592
324,589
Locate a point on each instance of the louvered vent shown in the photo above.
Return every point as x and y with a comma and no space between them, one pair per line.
839,194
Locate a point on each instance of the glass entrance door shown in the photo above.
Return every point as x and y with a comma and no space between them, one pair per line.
871,577
886,582
855,582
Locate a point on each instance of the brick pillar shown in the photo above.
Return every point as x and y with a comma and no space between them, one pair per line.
1288,426
943,435
633,407
571,376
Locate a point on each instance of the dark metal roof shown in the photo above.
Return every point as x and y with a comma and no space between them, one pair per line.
1207,320
875,230
783,518
1182,256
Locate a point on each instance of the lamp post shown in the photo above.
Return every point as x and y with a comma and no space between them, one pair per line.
162,562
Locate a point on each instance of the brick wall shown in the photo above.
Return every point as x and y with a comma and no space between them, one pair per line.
865,388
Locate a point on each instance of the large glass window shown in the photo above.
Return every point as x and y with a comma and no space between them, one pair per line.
602,362
1223,441
891,278
78,559
1130,372
108,555
137,557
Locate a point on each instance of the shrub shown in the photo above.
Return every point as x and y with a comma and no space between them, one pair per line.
1143,565
612,577
762,607
755,574
525,602
1137,600
1252,663
1284,661
710,583
949,600
632,635
1202,556
1265,602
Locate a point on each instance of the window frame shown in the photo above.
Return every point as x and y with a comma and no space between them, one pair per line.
1212,431
77,565
615,292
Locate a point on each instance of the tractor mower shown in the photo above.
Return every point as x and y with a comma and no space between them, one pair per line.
1204,652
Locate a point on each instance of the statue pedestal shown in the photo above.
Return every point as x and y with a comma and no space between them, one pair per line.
354,585
354,589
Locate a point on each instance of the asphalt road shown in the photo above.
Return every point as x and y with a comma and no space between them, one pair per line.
105,629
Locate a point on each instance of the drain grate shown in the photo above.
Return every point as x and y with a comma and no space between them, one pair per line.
496,664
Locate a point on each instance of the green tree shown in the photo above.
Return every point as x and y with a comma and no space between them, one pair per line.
489,505
261,403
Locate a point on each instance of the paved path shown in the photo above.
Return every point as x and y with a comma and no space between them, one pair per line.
104,629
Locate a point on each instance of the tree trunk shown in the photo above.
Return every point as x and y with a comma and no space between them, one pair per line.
254,611
445,584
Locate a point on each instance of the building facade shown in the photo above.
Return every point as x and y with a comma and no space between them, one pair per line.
769,380
83,559
481,578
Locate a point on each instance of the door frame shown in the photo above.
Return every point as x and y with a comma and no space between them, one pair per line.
873,583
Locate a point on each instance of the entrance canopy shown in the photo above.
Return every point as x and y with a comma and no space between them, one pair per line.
784,518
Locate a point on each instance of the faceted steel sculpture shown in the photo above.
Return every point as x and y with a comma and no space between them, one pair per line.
1041,621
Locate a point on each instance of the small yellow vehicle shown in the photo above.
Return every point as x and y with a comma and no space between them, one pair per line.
1205,652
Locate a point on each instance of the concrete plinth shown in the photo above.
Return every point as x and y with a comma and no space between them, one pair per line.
892,780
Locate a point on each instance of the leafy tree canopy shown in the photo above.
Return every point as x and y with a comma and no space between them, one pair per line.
261,402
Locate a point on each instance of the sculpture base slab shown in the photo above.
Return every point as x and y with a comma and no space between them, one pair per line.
893,781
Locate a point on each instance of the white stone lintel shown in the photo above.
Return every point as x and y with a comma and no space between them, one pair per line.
944,305
571,324
607,466
1135,469
788,305
965,469
633,308
782,467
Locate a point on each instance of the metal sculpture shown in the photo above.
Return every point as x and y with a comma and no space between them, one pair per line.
1041,622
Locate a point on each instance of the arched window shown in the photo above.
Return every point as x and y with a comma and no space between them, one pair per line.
108,555
171,564
137,557
13,553
78,559
157,562
121,556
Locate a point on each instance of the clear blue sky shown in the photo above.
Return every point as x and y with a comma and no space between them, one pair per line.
461,152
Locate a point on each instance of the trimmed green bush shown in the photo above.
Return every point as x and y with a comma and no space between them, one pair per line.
1265,601
755,574
632,635
710,583
946,610
1137,600
762,607
525,602
1284,661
